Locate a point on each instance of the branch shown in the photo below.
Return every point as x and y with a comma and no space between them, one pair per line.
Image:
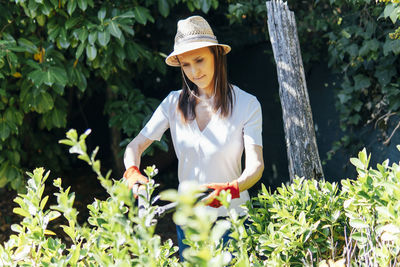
390,137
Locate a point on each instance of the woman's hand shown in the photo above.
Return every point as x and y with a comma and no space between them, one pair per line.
211,200
135,179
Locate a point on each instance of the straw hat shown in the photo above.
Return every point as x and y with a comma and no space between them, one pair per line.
193,33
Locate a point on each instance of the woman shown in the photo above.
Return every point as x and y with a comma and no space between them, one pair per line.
211,121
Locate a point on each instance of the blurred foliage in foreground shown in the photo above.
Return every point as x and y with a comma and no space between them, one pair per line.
308,222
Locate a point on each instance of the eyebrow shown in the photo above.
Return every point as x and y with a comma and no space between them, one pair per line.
182,62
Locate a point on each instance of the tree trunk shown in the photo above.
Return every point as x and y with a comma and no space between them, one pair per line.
300,138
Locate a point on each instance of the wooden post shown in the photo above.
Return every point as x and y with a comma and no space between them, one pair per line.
300,138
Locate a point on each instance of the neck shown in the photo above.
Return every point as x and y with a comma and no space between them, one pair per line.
206,93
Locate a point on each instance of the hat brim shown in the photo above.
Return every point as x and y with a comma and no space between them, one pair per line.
171,58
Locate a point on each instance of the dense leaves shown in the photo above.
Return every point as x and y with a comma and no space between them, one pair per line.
309,222
55,53
306,223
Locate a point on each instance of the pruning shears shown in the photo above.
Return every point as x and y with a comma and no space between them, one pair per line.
161,211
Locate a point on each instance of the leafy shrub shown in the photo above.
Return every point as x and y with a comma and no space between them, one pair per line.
372,208
307,223
298,223
116,235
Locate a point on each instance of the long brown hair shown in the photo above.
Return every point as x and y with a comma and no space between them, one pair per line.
224,94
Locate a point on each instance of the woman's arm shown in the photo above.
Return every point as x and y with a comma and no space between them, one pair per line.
135,149
254,167
251,174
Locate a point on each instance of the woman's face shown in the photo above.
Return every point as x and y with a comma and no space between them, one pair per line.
199,67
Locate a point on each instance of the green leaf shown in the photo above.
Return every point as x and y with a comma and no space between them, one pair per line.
75,254
127,15
368,46
17,228
132,51
103,37
82,4
384,75
356,162
3,181
101,14
21,212
54,32
141,14
72,134
69,231
127,29
163,7
389,10
43,202
83,34
71,22
345,34
71,6
37,77
59,75
362,155
361,81
206,4
13,115
59,118
28,45
4,130
359,237
395,14
358,224
343,98
79,51
114,29
80,79
92,37
43,102
48,78
91,52
66,142
391,46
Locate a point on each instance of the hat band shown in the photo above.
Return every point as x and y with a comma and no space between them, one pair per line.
202,38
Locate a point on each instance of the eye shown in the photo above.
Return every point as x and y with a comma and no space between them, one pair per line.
199,60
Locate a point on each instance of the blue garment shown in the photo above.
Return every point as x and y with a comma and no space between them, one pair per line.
181,237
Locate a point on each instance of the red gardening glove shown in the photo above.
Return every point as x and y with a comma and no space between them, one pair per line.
233,187
133,176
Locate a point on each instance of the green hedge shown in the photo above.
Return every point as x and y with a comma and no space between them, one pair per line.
308,222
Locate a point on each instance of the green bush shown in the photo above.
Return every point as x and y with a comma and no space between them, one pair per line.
307,223
298,223
372,209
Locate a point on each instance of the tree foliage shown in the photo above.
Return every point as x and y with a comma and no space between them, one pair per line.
358,41
55,51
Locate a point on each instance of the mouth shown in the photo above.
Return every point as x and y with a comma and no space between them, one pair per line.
198,78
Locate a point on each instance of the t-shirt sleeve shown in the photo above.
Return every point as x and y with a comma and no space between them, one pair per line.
252,129
159,121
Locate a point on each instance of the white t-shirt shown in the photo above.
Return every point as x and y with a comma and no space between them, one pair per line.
214,154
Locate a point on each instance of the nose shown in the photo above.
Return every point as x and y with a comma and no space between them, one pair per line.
195,71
